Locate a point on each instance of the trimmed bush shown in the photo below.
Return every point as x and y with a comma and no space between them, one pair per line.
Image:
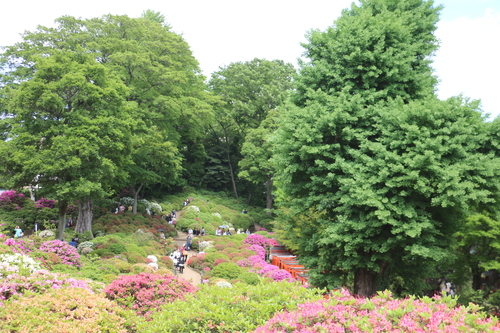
145,293
227,270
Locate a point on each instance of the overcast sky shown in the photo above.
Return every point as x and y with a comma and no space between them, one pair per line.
224,31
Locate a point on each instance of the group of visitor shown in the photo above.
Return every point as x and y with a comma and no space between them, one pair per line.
222,232
179,257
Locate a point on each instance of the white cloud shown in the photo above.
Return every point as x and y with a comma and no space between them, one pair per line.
468,59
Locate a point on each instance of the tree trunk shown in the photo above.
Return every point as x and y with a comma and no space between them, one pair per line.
63,207
136,194
85,214
476,278
365,282
233,181
269,195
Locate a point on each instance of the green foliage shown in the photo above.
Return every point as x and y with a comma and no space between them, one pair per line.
227,270
211,257
374,172
250,278
379,50
240,308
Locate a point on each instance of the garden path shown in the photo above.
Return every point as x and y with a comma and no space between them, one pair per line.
189,274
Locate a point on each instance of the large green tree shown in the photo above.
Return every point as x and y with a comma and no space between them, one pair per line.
374,172
69,130
163,81
250,90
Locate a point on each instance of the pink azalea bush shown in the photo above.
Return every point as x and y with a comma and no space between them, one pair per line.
20,245
346,313
256,239
145,293
10,200
67,253
45,203
38,282
259,251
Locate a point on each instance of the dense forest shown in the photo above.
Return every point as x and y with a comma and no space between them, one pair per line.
365,173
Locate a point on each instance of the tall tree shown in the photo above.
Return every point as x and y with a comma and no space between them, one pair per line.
159,70
70,130
257,151
250,90
374,169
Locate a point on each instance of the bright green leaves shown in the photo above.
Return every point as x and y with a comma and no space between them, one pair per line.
376,50
68,129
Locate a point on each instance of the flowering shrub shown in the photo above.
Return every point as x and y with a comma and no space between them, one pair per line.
17,263
279,274
256,239
45,203
344,312
66,252
259,251
19,245
83,245
65,310
38,282
146,293
10,200
204,245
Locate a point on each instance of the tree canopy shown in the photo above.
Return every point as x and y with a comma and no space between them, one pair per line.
374,171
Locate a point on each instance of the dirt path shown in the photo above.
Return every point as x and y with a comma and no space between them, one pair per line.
189,274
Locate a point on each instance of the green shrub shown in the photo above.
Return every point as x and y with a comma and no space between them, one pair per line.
212,256
133,248
103,253
250,278
135,258
227,270
238,309
117,248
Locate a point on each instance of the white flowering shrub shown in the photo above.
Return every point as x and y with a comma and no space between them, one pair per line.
127,201
17,263
153,264
224,284
156,207
193,209
218,215
152,258
46,234
84,245
204,245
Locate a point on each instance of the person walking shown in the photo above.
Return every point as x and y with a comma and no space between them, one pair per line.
181,264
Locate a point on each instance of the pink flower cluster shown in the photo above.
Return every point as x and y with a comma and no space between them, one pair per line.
147,291
346,313
11,200
38,282
45,203
66,252
22,246
259,251
256,239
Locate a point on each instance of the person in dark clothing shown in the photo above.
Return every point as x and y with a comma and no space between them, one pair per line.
181,263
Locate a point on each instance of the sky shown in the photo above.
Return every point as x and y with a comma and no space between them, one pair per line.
220,32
